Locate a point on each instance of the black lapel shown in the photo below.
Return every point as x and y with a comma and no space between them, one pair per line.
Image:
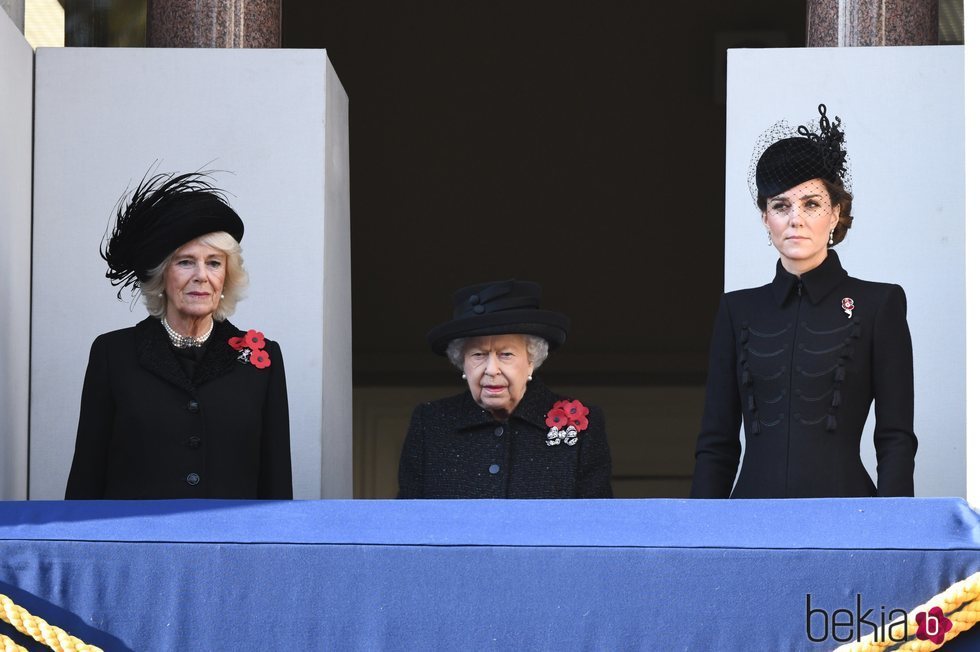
534,407
155,355
219,357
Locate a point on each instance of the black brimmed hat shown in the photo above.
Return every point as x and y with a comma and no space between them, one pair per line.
499,308
788,162
163,213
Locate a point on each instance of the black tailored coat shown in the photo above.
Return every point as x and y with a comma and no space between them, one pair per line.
146,430
456,449
789,364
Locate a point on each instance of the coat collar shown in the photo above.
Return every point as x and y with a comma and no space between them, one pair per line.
532,409
154,354
816,284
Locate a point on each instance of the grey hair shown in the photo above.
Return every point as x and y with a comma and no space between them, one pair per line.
236,278
537,350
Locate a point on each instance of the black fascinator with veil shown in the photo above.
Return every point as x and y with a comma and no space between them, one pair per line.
791,156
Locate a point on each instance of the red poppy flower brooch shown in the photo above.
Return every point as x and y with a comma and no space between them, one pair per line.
566,419
251,346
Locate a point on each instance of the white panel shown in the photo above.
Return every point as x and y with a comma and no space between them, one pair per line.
16,107
104,117
902,109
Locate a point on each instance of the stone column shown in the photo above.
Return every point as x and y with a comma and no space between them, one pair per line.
214,23
841,23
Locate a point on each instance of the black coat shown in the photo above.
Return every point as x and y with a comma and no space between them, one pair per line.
789,364
455,449
146,430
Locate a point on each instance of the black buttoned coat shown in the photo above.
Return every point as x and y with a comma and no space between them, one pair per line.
146,430
456,449
790,364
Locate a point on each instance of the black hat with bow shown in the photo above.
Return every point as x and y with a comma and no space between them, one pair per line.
499,308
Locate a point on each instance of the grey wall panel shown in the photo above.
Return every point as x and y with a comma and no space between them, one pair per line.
903,113
16,115
104,117
337,427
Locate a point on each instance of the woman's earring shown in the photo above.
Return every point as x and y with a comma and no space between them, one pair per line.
159,294
769,237
222,296
464,376
530,377
831,238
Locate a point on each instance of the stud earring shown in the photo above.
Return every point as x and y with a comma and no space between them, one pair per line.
464,376
222,296
769,237
159,294
530,377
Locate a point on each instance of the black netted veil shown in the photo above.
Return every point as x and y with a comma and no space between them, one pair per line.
785,157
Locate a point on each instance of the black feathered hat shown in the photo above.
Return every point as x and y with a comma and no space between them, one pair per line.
499,308
164,212
791,161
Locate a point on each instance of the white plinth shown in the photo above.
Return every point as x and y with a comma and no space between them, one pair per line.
277,121
903,116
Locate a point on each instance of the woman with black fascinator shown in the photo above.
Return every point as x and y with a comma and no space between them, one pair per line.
183,404
799,361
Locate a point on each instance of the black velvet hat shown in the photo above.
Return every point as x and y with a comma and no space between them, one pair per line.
791,161
163,213
499,308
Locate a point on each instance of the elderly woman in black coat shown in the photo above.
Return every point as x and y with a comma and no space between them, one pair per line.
507,435
184,404
799,361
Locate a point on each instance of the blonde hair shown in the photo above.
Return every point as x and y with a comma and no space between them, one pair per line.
236,278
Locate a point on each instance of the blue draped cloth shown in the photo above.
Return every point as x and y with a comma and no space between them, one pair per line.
482,575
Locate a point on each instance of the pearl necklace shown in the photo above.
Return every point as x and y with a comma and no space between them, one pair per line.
183,341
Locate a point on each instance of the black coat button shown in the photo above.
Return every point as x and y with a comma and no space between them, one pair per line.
193,407
193,441
494,469
498,431
192,479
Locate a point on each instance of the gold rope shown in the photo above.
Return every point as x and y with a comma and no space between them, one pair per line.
9,646
965,594
37,628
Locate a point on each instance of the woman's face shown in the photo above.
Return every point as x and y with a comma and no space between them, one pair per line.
497,368
799,221
194,280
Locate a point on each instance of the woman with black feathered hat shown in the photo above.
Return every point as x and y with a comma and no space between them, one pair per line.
184,404
798,362
506,435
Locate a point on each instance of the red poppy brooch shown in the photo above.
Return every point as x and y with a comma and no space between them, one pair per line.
566,419
251,347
